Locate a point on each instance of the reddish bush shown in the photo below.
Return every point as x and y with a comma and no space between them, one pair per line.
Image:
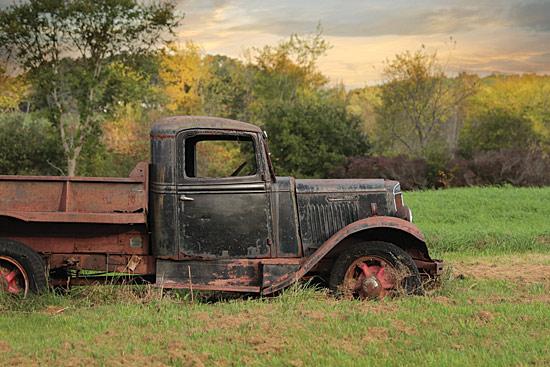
411,173
514,167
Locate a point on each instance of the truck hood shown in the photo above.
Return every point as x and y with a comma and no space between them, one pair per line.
343,186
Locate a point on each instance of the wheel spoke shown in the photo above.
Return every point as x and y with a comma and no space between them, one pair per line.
13,288
11,276
366,269
383,278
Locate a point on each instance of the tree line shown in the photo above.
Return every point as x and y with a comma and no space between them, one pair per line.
82,82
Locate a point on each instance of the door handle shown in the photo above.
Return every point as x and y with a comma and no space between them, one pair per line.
185,198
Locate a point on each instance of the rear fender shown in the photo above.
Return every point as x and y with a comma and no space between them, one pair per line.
398,231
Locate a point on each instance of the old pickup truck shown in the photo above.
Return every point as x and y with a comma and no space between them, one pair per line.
190,220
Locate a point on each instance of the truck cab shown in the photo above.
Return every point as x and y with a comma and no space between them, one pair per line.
209,213
235,222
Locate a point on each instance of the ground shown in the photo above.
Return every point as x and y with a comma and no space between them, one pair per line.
492,308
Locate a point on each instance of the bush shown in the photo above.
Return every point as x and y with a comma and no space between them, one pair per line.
29,145
508,166
513,167
411,173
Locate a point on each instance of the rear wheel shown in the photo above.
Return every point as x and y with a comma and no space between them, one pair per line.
21,269
374,270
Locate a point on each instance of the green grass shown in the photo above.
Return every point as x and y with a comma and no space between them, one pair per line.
494,310
483,220
467,322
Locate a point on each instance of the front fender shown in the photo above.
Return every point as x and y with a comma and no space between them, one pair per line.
335,239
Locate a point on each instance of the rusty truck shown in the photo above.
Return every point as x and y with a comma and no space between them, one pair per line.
189,219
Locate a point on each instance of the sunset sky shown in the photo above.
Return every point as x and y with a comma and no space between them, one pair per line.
489,35
480,36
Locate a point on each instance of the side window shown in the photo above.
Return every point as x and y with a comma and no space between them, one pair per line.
214,156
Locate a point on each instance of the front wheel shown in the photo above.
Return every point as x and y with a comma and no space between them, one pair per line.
374,270
21,269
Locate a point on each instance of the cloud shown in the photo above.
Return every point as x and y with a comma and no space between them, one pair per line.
491,35
362,19
535,16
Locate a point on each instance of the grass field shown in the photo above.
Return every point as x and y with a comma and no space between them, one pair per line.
492,309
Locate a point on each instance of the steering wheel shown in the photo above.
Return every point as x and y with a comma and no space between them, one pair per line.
239,169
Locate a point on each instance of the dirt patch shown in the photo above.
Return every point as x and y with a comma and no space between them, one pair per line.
314,315
404,328
534,269
178,352
216,320
266,344
54,310
4,347
484,317
375,334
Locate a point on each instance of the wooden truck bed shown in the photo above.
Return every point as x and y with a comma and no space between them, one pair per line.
93,223
76,199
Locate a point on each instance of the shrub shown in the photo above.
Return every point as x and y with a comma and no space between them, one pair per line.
29,145
411,173
508,166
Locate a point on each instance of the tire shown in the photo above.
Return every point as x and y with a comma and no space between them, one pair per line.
388,255
27,265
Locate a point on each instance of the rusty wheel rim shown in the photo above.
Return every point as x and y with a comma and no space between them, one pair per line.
13,277
370,277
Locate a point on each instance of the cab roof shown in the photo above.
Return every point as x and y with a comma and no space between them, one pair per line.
174,124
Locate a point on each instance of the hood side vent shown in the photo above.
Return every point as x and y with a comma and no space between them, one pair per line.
322,220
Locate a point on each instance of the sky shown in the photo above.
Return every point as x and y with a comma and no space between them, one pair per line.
478,36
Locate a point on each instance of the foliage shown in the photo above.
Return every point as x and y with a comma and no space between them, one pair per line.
183,71
497,129
229,89
13,89
310,136
72,49
514,166
288,69
364,103
29,145
420,108
412,173
509,111
278,88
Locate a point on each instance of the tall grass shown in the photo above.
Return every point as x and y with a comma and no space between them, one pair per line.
483,220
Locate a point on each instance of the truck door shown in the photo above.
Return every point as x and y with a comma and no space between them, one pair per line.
223,202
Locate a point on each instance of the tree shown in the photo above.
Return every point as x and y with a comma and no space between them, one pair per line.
29,145
286,71
313,134
497,129
13,89
182,73
74,49
420,110
517,107
228,91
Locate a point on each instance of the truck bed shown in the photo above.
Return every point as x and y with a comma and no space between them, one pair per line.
76,199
